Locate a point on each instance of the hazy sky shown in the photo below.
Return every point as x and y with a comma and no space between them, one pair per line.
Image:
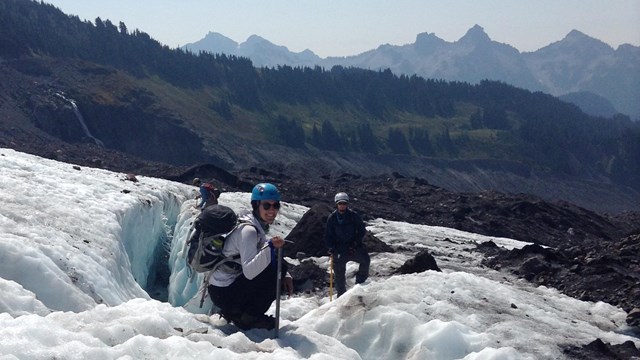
349,27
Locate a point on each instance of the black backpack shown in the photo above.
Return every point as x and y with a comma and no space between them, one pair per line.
212,227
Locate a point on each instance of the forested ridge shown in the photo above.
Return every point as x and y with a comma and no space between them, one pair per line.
343,109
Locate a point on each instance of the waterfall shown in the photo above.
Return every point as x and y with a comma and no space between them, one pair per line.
83,124
80,118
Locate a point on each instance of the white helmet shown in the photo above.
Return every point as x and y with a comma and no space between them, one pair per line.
341,196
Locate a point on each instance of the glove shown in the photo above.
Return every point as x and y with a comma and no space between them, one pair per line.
330,252
274,254
274,258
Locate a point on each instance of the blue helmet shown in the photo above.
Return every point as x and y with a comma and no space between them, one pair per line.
265,191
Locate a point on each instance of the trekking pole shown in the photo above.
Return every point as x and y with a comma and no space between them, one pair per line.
278,286
331,278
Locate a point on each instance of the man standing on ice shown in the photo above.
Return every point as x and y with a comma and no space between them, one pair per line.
343,237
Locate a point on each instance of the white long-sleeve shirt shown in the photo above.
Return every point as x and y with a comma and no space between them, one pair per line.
249,242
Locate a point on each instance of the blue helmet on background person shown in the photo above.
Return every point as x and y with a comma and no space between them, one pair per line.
265,191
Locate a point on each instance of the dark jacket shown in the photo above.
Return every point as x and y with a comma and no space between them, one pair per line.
344,231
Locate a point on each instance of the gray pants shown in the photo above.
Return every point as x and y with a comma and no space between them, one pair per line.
359,255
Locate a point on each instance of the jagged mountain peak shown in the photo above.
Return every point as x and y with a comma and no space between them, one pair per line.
576,40
261,48
263,52
258,42
307,52
216,35
477,57
255,42
628,50
576,35
253,39
213,42
428,42
475,35
427,38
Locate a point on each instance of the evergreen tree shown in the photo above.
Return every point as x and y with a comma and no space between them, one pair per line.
289,132
495,118
397,142
315,137
123,29
330,139
366,140
419,140
445,144
476,120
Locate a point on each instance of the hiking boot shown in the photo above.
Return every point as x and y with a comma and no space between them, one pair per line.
247,321
360,279
265,322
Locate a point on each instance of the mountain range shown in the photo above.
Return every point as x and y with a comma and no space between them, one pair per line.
100,95
579,69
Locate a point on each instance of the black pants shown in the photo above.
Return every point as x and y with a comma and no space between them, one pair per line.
253,297
361,256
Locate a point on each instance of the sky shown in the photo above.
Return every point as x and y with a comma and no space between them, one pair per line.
342,28
78,245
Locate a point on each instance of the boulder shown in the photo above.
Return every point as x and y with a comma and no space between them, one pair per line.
423,261
308,276
308,235
633,318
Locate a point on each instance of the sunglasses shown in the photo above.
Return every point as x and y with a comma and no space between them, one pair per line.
268,206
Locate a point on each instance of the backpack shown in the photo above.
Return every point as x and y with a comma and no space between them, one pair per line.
214,224
212,189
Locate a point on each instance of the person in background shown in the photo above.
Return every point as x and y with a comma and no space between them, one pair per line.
343,237
208,194
244,287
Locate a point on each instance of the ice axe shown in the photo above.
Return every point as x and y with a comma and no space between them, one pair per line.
276,330
279,291
278,286
331,278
